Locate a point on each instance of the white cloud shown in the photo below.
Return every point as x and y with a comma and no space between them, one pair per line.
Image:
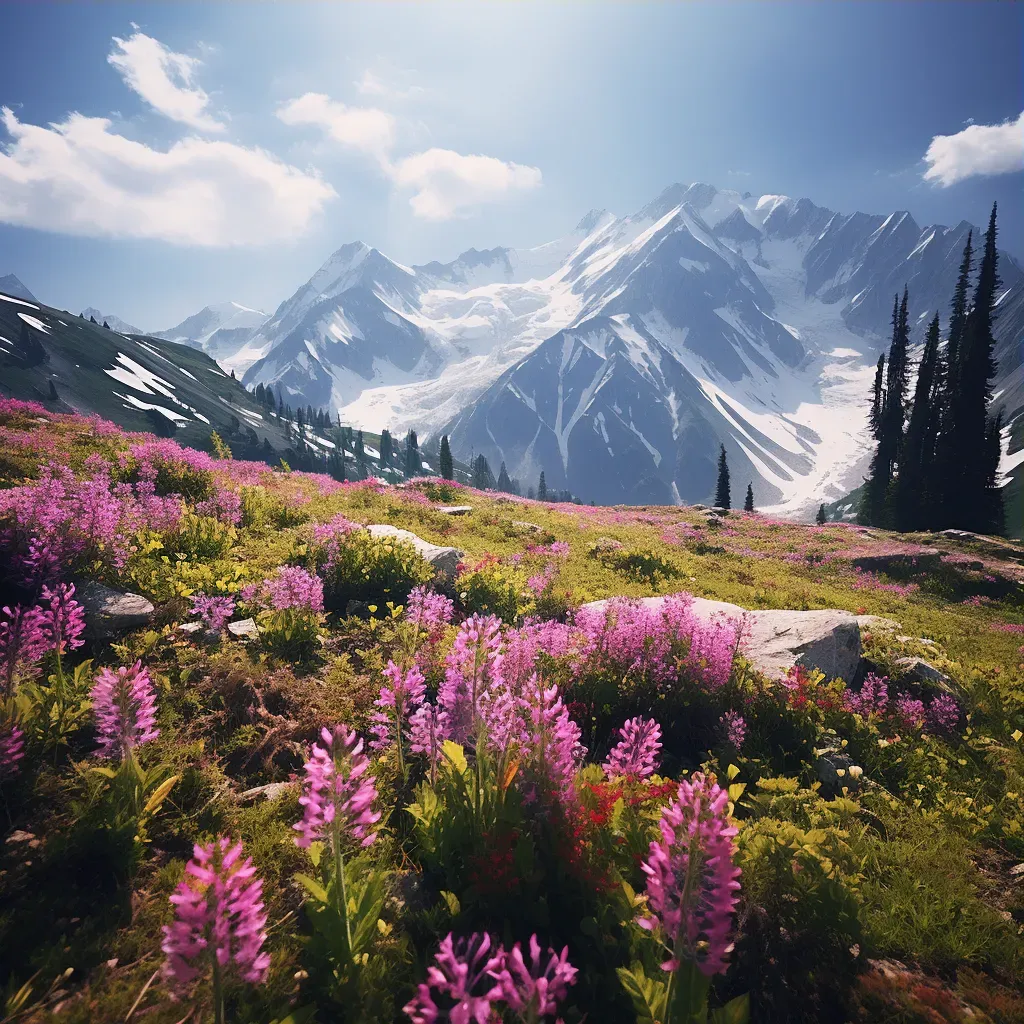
978,149
446,182
363,128
78,177
164,79
372,84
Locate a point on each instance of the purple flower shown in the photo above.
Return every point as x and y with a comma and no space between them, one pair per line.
542,580
339,794
427,610
734,729
64,620
293,587
464,980
22,644
12,749
636,753
473,666
910,712
535,989
872,698
218,914
124,703
550,741
943,715
428,729
397,702
691,879
213,612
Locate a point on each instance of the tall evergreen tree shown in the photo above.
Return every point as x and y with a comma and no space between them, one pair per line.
722,496
877,396
915,469
483,479
504,482
748,504
360,453
822,517
542,488
386,448
444,459
995,515
413,466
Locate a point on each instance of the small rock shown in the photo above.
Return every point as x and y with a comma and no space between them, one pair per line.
929,677
271,791
917,640
876,622
190,627
17,836
454,510
244,629
828,766
109,612
1017,870
445,560
521,524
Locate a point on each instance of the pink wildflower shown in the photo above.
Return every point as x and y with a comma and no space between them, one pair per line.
535,990
734,729
428,729
219,914
637,752
124,703
473,667
397,702
691,879
465,980
22,644
293,587
213,612
910,712
550,742
872,698
943,715
12,749
428,610
339,794
64,620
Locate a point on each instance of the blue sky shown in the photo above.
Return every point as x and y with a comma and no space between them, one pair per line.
246,142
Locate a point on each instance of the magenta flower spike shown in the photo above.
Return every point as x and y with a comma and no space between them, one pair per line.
12,749
23,642
943,715
428,729
551,745
473,667
734,729
464,979
124,702
428,610
293,587
691,878
64,619
637,752
536,988
219,923
213,612
339,794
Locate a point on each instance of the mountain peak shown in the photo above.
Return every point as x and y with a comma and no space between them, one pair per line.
10,285
115,323
592,220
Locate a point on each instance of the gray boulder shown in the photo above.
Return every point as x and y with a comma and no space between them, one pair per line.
925,674
828,765
445,560
775,641
526,527
454,510
109,612
244,629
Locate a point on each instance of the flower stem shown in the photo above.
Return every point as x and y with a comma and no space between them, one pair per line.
218,992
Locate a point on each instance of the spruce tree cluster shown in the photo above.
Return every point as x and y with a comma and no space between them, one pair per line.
936,454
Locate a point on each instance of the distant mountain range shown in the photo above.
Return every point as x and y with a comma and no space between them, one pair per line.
617,358
10,285
115,323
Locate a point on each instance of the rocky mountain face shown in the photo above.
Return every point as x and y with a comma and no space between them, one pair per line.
619,357
115,323
10,285
220,331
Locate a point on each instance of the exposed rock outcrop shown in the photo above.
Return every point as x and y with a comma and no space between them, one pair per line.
109,612
445,560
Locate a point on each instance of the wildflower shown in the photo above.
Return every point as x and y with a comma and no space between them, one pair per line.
64,620
636,753
540,582
551,743
339,794
536,990
397,702
872,698
12,749
910,712
219,920
465,979
293,587
428,729
691,879
734,729
213,612
124,702
22,644
472,667
428,610
943,714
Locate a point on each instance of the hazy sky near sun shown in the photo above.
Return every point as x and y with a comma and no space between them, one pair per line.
155,158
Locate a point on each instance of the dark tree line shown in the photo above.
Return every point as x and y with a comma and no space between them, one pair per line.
936,456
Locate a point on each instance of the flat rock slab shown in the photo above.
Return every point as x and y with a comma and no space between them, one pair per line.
454,510
244,629
522,524
110,612
445,560
774,641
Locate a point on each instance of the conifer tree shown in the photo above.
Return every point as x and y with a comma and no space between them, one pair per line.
385,447
722,496
360,454
504,483
444,459
542,488
877,396
483,479
413,465
748,504
822,517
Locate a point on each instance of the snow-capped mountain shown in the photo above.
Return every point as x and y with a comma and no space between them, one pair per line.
115,323
618,357
221,331
10,285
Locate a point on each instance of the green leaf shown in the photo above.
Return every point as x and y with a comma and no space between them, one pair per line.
736,1011
454,906
107,773
647,995
454,756
313,887
159,794
303,1015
